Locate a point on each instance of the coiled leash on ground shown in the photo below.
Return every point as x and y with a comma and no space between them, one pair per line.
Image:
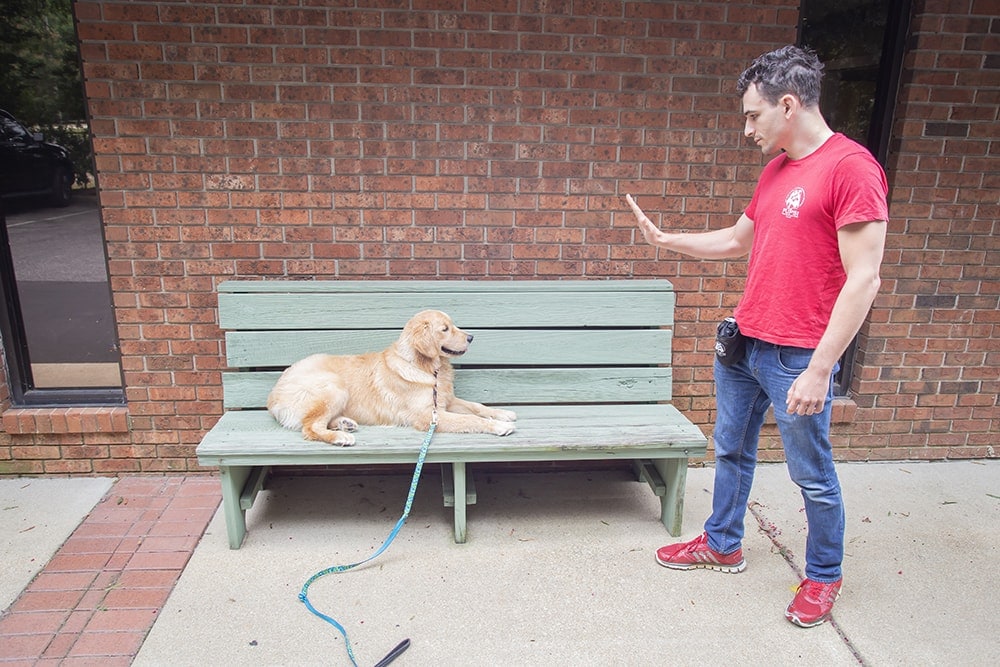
338,569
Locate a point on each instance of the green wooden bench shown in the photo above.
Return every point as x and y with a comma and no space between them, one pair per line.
585,364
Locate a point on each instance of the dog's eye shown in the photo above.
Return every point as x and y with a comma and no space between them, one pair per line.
445,328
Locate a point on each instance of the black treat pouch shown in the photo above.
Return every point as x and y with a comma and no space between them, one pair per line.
730,343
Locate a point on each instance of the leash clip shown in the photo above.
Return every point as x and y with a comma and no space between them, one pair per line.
434,412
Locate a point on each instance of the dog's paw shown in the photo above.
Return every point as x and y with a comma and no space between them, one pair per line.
505,416
342,439
327,435
331,437
502,427
346,424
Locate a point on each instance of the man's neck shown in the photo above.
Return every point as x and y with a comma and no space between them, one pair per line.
813,133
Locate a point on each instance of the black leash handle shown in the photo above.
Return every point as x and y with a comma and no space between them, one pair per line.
394,653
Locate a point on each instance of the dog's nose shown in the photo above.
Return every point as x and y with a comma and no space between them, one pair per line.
468,338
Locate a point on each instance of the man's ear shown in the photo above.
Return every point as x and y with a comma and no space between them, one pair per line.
789,104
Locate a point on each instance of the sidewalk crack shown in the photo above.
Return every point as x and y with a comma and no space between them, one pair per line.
773,533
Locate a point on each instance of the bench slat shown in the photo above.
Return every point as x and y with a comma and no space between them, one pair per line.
495,386
269,311
430,286
512,347
578,432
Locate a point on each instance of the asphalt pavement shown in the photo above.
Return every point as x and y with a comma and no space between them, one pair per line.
62,282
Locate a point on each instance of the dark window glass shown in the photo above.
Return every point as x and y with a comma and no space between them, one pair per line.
861,45
56,317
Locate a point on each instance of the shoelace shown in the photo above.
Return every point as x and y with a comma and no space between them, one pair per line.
691,546
701,540
818,591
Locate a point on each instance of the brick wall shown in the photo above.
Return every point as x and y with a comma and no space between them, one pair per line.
495,139
929,379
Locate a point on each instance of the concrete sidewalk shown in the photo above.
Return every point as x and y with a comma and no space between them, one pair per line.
36,517
559,570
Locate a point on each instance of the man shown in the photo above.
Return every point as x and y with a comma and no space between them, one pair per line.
815,231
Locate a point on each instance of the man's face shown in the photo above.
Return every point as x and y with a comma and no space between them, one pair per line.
765,122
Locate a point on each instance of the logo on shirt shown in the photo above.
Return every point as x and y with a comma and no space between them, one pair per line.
793,202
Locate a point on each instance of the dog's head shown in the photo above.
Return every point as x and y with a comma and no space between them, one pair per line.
432,334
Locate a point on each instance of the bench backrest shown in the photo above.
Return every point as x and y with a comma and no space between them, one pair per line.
536,342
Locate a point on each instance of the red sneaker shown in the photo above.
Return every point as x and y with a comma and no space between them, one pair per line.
813,602
697,554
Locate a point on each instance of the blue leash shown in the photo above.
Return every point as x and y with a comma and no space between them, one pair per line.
338,569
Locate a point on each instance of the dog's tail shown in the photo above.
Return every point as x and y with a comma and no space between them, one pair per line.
285,416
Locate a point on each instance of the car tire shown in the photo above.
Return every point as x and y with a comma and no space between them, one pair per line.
62,186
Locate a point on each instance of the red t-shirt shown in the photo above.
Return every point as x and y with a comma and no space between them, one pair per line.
795,272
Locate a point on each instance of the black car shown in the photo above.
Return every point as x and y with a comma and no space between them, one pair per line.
31,166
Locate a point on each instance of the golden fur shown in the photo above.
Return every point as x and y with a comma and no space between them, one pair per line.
328,395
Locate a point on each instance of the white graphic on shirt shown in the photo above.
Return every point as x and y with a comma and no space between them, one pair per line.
793,202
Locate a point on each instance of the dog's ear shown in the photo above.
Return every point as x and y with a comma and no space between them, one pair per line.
423,338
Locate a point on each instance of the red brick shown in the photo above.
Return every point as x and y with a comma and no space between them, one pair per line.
29,623
109,645
90,562
25,647
61,581
59,647
47,601
146,598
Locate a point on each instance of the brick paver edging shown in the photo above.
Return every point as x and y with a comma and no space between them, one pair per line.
99,595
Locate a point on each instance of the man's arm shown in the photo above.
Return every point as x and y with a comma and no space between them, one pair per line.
861,248
725,243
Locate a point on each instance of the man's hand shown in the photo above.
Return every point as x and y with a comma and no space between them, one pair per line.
807,395
724,243
650,232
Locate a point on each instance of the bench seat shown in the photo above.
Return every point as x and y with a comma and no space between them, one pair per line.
585,385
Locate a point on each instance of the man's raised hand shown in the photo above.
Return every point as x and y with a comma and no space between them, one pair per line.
649,230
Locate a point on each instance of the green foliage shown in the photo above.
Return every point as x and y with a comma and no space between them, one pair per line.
40,80
75,139
848,36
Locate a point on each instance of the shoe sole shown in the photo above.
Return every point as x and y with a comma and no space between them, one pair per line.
727,569
794,620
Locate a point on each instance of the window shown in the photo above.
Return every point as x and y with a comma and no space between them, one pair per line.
56,319
58,325
861,45
58,305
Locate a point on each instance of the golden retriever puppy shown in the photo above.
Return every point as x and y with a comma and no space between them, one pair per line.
327,395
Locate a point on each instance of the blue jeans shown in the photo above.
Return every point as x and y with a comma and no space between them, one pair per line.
744,392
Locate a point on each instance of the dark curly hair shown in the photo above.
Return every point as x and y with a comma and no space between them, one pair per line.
790,69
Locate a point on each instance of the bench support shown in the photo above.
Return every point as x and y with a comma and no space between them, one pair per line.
674,475
452,476
255,484
461,497
448,486
234,479
645,471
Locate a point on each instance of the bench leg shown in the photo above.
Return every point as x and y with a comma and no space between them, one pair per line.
233,480
458,476
674,474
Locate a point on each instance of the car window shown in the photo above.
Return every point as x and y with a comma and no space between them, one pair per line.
13,131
